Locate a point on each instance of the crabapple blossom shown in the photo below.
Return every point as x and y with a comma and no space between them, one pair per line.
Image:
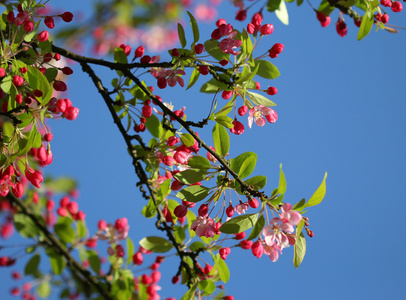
204,226
275,232
290,216
272,251
258,112
257,249
241,208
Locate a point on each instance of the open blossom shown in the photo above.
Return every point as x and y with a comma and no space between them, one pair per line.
272,251
168,76
241,208
113,234
290,216
257,114
275,233
204,226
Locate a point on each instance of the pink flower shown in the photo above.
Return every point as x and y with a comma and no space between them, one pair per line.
290,216
272,252
203,226
241,208
275,233
228,45
257,114
224,252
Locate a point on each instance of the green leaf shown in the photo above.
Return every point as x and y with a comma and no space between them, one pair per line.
207,286
224,121
193,78
154,126
247,74
51,74
31,268
300,205
149,210
213,86
193,193
25,226
64,230
81,229
181,34
119,56
259,225
273,5
190,294
325,8
5,84
195,28
282,13
94,260
156,244
44,290
226,108
196,246
300,245
318,194
130,251
282,181
199,162
258,99
60,185
239,224
212,47
244,164
267,69
258,182
222,269
37,80
221,140
187,139
191,176
366,25
58,264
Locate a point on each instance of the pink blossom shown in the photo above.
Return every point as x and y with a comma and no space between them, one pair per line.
203,226
275,232
290,216
241,208
112,234
272,251
257,114
228,45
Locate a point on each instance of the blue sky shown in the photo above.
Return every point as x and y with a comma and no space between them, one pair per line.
341,107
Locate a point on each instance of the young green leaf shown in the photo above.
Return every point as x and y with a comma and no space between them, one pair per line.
94,260
193,78
244,164
187,139
224,121
258,99
191,176
222,269
181,34
239,224
366,25
282,181
259,225
300,245
156,244
221,140
282,13
318,194
154,126
195,28
273,5
193,193
267,69
31,268
199,162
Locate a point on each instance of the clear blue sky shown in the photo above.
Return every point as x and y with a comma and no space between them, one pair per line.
341,106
